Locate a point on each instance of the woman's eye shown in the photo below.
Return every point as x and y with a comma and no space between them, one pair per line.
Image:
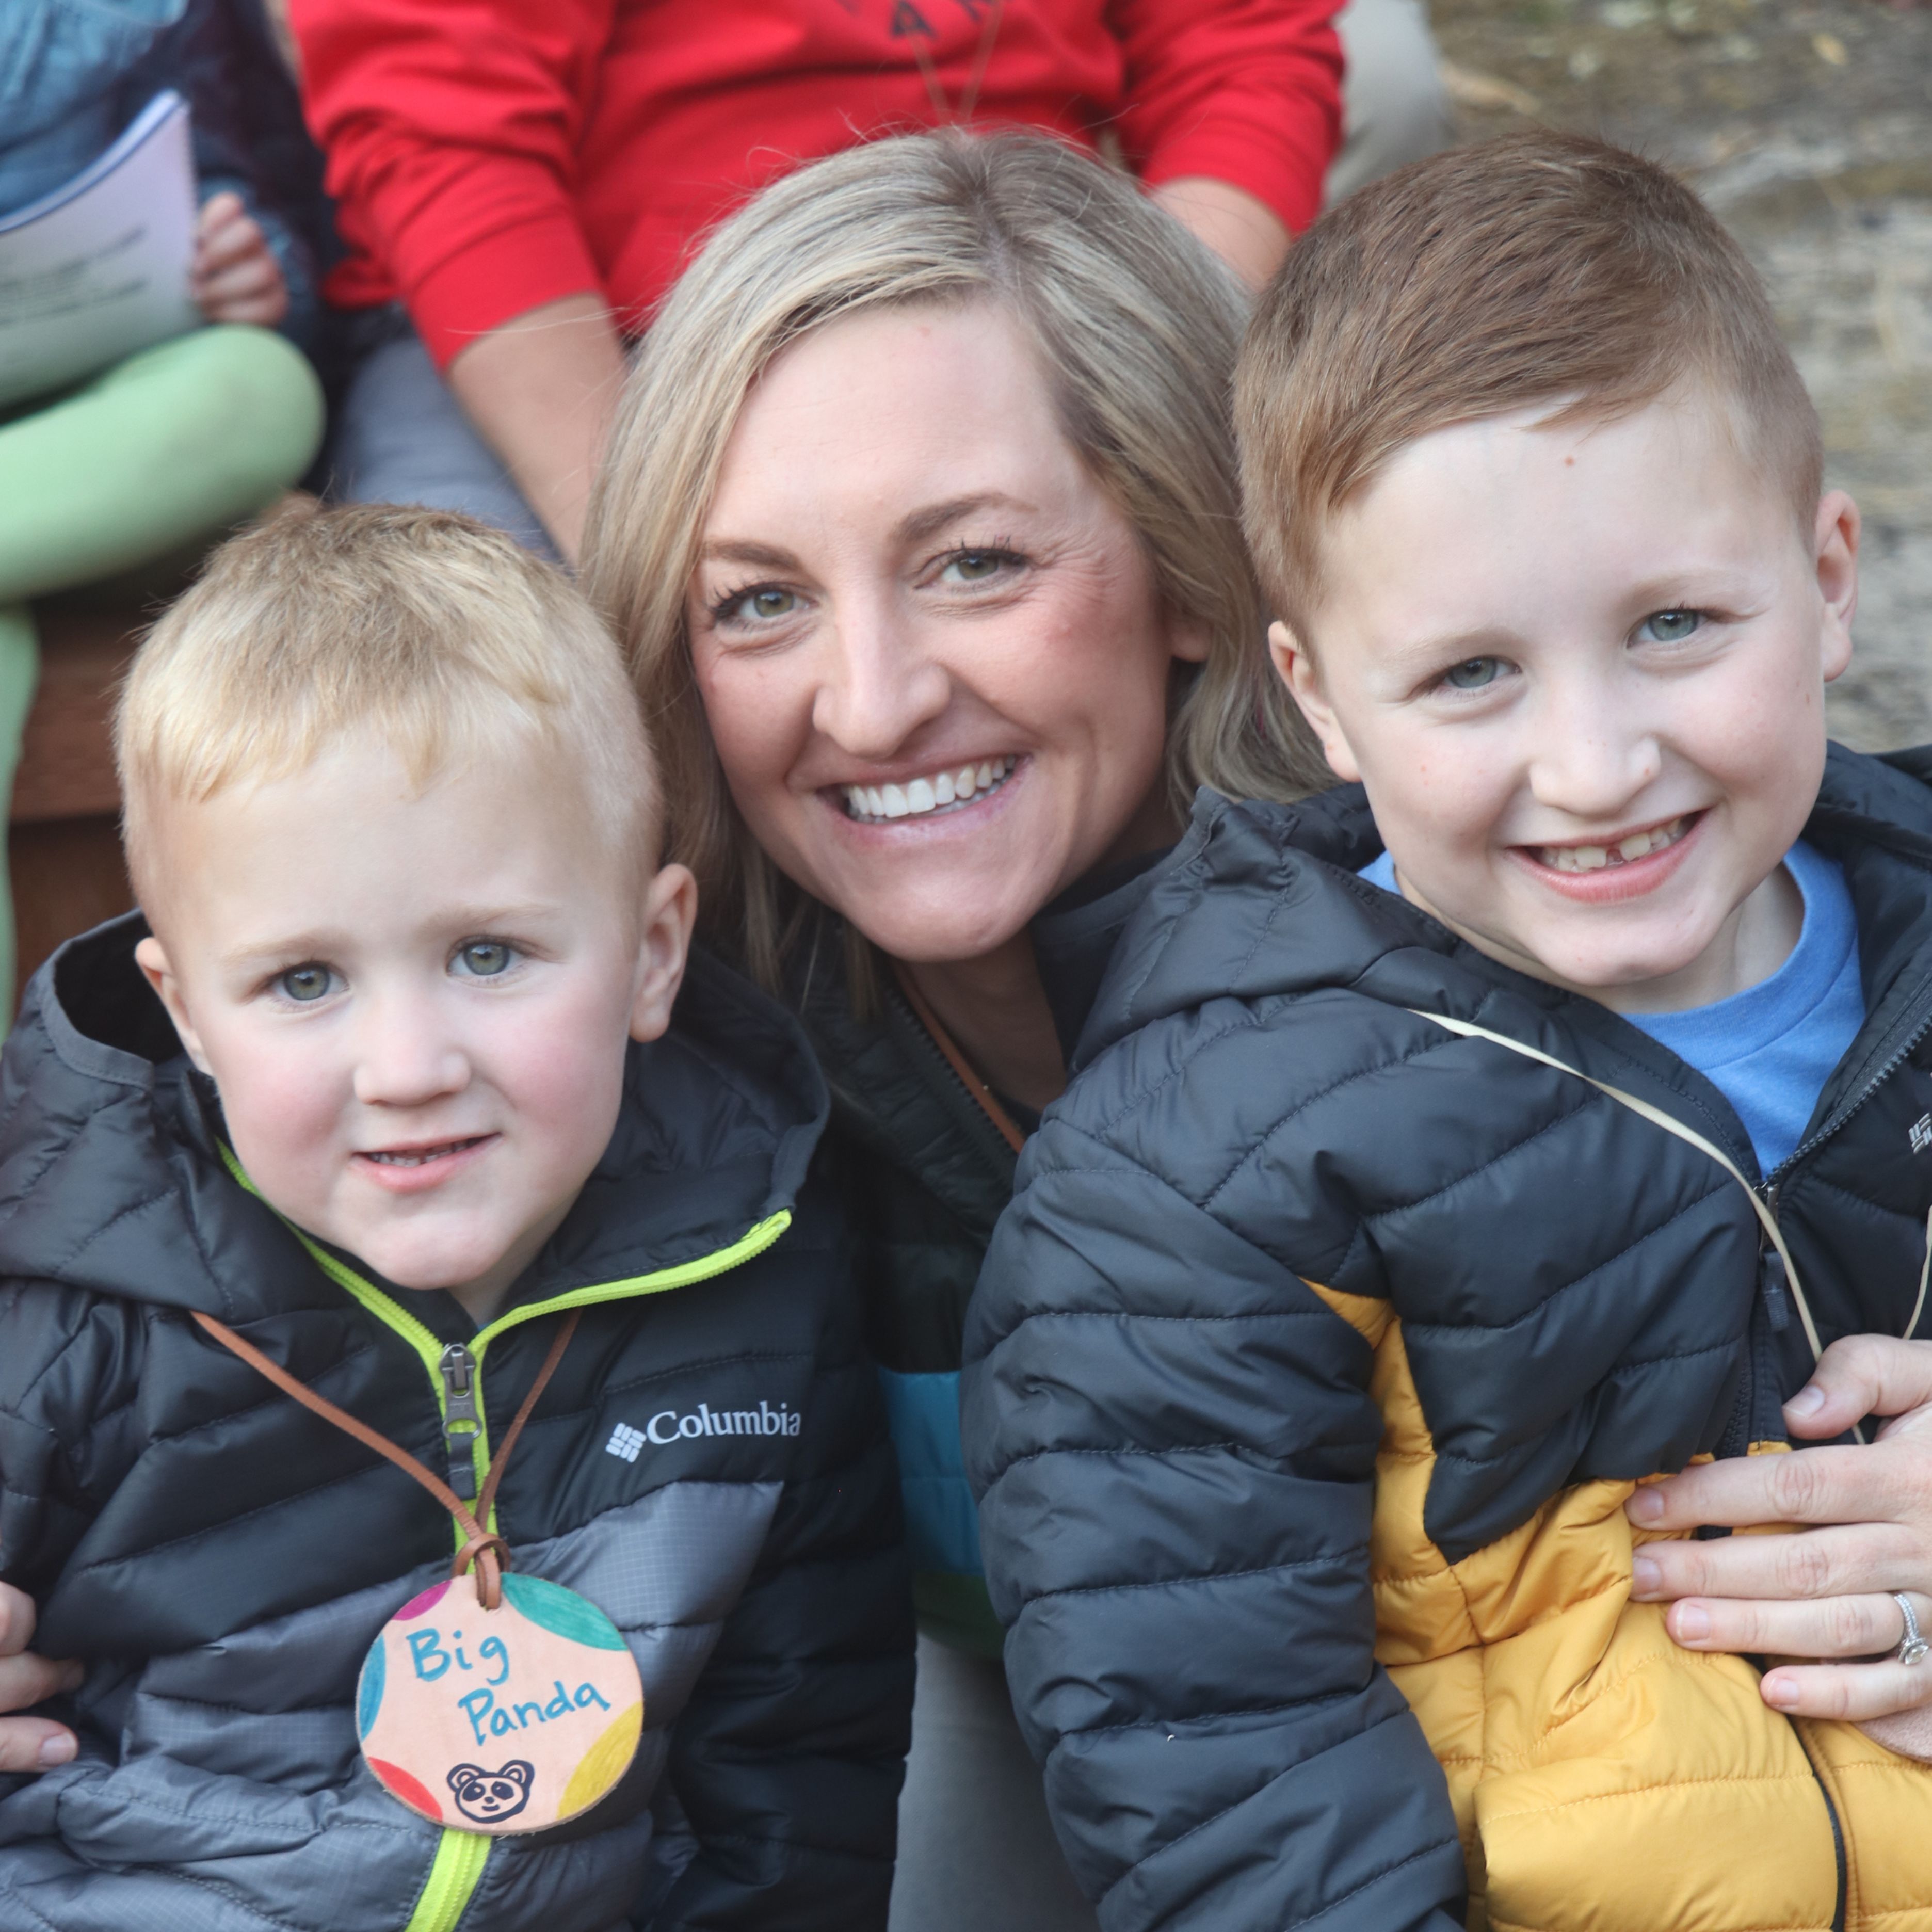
305,984
484,958
975,566
1473,674
760,606
1670,627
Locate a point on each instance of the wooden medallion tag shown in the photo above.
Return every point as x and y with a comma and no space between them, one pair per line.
493,1703
500,1721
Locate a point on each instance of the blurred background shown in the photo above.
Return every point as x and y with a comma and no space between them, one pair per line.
1808,126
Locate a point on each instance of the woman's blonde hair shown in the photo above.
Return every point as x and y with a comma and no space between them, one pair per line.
1135,323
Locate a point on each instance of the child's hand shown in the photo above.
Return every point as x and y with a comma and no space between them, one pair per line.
28,1744
236,276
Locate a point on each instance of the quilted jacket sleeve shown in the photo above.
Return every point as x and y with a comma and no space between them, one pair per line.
788,1759
1174,1445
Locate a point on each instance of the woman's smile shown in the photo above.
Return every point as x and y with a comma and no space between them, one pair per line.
947,790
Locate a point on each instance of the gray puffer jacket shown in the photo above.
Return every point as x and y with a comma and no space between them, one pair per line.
222,1559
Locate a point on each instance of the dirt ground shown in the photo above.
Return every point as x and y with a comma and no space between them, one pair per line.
1808,126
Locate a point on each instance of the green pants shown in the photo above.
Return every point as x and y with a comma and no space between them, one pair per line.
174,444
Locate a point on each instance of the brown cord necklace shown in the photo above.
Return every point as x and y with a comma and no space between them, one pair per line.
551,1678
928,67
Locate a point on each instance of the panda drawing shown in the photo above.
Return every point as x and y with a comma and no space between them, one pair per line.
489,1797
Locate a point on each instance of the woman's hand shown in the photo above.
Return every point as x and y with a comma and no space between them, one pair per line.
236,276
29,1744
1825,1592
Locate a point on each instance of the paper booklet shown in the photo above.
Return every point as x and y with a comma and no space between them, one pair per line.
100,268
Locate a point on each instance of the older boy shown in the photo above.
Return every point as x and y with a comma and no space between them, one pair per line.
1403,1218
391,816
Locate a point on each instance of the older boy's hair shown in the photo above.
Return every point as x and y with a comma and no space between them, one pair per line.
434,633
1540,267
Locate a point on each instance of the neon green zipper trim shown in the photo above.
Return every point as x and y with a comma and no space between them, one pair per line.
460,1857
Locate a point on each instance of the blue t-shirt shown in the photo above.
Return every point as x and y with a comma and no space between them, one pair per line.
1770,1049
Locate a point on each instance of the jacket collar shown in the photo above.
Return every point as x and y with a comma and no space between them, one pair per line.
1260,900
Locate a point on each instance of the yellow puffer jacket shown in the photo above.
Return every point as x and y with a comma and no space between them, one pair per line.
1604,1779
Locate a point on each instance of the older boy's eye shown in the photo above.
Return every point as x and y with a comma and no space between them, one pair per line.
1669,627
1473,674
304,984
484,959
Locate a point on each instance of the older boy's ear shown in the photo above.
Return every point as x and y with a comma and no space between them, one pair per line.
152,959
1296,669
664,945
1837,536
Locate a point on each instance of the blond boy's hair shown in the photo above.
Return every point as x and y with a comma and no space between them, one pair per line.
1135,327
434,633
1537,268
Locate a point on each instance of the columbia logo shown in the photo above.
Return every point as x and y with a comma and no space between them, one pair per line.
668,1425
1922,1133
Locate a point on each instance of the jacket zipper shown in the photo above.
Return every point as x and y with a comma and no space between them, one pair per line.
455,1377
1838,1909
1768,1186
461,1421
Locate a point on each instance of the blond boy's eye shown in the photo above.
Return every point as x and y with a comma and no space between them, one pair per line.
1670,627
484,958
305,984
1473,674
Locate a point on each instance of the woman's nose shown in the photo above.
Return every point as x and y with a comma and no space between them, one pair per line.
880,686
404,1058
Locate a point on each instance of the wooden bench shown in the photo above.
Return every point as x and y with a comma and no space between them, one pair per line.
63,839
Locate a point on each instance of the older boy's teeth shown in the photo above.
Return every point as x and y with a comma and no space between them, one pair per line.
1594,858
918,796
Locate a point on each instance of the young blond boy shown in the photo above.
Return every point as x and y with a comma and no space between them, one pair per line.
428,1069
1455,1151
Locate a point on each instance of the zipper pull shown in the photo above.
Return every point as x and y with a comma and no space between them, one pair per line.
461,1422
1777,1298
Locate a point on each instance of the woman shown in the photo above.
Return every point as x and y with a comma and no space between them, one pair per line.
926,469
920,526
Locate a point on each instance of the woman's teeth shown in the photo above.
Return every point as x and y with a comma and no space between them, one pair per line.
917,797
1594,858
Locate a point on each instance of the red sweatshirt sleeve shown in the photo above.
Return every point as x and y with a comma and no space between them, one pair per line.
451,128
1248,92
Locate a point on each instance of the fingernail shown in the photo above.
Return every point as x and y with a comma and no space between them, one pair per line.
1646,1505
1781,1691
1807,1401
1691,1623
55,1749
1646,1578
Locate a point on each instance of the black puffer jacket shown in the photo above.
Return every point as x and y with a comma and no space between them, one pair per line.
1279,1225
925,1176
221,1559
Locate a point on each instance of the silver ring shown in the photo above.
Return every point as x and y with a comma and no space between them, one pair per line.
1913,1648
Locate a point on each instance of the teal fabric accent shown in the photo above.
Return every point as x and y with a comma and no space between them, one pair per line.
942,1519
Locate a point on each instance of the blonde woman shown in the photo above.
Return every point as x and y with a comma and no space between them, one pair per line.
920,526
